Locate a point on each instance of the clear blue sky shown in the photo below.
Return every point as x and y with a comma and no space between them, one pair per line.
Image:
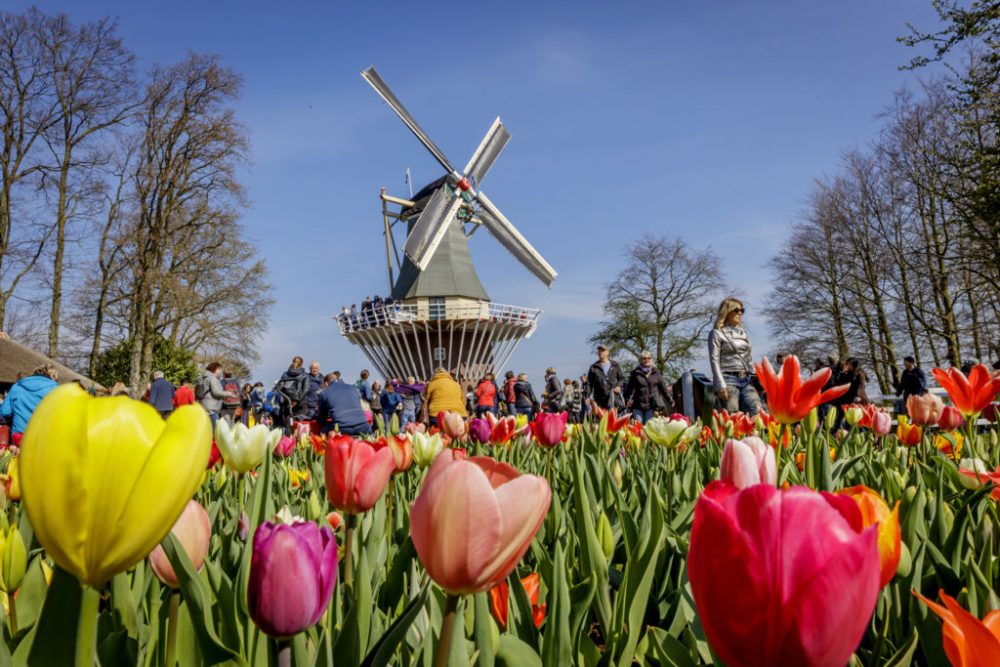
704,120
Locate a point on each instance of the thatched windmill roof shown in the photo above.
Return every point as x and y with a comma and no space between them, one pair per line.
16,358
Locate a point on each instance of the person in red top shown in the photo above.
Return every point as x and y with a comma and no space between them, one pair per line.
183,395
486,396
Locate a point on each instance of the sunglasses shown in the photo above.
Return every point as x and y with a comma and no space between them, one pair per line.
738,310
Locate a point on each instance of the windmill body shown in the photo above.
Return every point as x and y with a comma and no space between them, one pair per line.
439,314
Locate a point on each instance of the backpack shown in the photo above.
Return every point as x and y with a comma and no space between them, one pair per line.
201,388
294,387
508,391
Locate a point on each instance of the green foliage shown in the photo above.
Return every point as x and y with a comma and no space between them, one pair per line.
177,363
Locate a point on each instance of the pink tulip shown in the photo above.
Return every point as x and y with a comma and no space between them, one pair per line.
950,418
474,519
747,462
881,423
550,428
479,430
452,424
780,577
285,447
193,530
924,410
293,571
356,473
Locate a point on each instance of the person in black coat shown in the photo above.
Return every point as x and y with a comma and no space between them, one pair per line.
340,408
605,379
912,382
646,392
525,401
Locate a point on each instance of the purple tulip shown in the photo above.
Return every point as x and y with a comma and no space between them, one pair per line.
292,574
479,430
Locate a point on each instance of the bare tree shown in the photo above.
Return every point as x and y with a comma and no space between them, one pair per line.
662,301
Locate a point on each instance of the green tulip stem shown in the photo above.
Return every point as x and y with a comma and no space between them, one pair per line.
548,466
12,604
349,522
240,488
447,625
175,601
388,505
86,629
970,436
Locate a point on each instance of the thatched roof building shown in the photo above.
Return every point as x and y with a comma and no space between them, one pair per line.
16,358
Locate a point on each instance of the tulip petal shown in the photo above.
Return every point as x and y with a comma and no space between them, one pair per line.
497,472
523,502
455,523
982,647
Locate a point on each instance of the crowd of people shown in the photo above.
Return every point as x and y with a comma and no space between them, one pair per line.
329,402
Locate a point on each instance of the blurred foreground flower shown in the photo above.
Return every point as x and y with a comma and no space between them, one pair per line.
293,571
873,510
789,399
193,530
104,479
780,577
474,519
968,642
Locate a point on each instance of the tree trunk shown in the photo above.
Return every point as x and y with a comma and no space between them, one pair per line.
57,265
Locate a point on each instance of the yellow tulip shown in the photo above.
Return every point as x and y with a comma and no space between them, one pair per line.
13,559
104,479
11,484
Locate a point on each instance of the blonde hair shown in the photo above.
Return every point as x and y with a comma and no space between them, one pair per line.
728,305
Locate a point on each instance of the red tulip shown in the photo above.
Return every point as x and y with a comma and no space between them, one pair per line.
549,428
500,594
907,433
975,474
502,430
950,418
474,519
293,571
968,642
193,530
924,410
780,577
970,394
788,398
610,420
214,456
356,473
873,510
747,462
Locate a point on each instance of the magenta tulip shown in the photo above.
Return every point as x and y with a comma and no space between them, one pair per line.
747,462
474,519
293,570
356,473
285,447
550,428
780,577
193,530
479,430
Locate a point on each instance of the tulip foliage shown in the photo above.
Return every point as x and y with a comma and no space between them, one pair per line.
544,544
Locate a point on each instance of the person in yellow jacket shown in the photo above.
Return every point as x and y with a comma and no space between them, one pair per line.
443,394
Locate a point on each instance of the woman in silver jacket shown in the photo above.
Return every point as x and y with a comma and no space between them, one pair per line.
732,360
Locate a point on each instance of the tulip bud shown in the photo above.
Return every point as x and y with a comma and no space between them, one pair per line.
811,422
831,418
243,527
11,484
479,430
905,561
616,473
853,414
605,536
15,560
950,418
293,571
315,511
194,531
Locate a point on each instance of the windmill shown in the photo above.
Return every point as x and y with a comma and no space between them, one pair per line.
439,314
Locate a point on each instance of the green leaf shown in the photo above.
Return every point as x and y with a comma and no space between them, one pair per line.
512,652
54,641
904,656
557,643
383,650
591,554
199,602
485,631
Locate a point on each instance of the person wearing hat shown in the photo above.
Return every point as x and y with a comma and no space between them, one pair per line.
553,391
605,380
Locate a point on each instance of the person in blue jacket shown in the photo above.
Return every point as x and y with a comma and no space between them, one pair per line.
390,402
340,407
24,397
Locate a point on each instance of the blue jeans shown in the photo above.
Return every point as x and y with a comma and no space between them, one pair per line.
642,416
742,395
407,417
525,411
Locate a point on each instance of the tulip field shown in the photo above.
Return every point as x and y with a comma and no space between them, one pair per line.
742,540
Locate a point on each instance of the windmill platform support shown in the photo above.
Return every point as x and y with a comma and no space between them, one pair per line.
414,338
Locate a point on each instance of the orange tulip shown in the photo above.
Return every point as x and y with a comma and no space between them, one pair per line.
800,459
874,510
968,642
401,447
788,398
908,433
970,394
499,598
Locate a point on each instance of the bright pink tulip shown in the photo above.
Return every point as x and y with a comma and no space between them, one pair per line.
950,418
193,530
474,519
285,447
549,428
356,473
780,577
747,462
924,410
292,574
